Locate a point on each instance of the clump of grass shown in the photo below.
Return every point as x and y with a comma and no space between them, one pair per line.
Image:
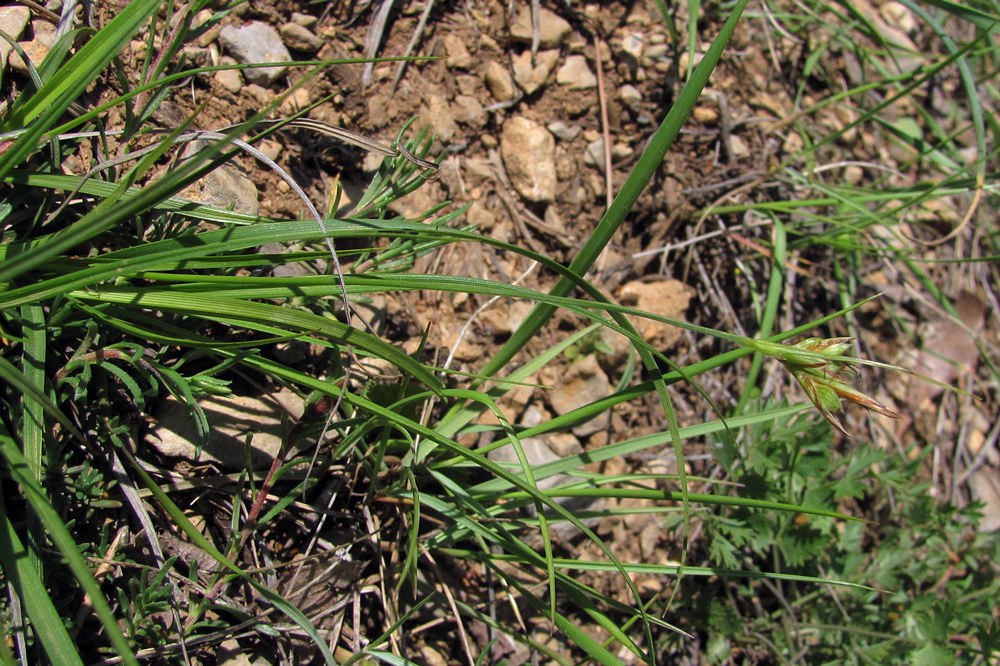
342,550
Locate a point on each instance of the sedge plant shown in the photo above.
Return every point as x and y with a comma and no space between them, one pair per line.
113,296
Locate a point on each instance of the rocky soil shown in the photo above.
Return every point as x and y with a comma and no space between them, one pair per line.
537,124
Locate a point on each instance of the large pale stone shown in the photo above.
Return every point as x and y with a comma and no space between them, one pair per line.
13,21
552,28
234,423
532,73
528,152
667,298
499,82
36,49
226,187
575,74
582,383
256,42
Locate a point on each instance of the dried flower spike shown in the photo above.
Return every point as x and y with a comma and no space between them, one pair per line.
825,371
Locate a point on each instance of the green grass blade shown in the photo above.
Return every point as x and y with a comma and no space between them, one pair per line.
41,110
202,542
631,446
694,11
597,652
22,576
262,316
647,165
569,564
774,292
20,472
700,498
966,12
10,374
407,425
33,427
518,551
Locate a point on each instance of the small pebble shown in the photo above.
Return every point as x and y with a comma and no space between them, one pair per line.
260,94
593,154
467,85
582,383
639,16
706,115
256,42
305,20
629,95
208,37
632,46
528,152
197,56
458,54
739,147
899,15
441,119
552,28
793,143
621,151
468,110
656,51
498,81
575,74
563,131
298,100
270,149
530,77
230,79
299,38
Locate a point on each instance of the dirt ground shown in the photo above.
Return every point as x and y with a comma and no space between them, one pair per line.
631,69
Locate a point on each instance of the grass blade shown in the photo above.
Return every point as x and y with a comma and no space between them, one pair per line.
263,316
641,175
23,577
38,112
33,423
21,473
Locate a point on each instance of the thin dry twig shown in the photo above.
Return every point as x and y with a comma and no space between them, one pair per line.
40,10
376,31
456,615
417,32
680,245
131,495
536,28
107,563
